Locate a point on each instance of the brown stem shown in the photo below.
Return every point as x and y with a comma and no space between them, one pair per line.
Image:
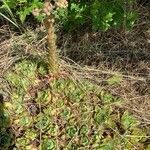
53,59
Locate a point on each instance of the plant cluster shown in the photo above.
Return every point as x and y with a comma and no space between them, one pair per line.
16,11
99,14
102,14
65,114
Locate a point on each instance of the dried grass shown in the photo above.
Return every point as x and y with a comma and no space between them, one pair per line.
112,53
100,55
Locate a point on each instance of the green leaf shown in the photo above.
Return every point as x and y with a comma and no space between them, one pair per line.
101,115
71,131
71,146
131,18
83,129
116,79
22,142
18,108
109,17
84,140
4,119
8,5
107,98
107,146
30,134
52,130
42,70
5,140
138,135
11,21
65,112
26,68
43,121
48,144
128,120
76,95
24,121
43,96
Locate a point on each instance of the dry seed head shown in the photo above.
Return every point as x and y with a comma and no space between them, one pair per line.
36,12
61,3
47,3
47,9
51,20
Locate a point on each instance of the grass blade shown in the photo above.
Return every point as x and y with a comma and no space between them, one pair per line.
4,16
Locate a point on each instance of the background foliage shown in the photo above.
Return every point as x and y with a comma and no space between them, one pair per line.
99,14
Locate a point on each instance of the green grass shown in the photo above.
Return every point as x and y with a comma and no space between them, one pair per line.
65,114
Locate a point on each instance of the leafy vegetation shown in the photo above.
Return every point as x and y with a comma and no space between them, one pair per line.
12,10
65,114
100,14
